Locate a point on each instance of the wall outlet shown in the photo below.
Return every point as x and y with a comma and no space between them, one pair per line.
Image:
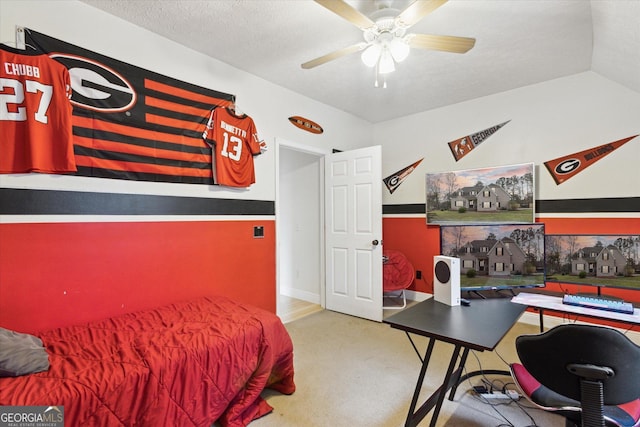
418,274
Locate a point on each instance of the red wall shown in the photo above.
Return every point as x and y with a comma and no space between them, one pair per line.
57,274
418,242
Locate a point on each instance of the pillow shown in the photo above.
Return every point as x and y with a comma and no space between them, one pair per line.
21,354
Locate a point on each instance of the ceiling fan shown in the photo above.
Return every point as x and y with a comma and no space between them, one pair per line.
385,34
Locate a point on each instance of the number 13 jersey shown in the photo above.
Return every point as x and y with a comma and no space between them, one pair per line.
235,141
35,113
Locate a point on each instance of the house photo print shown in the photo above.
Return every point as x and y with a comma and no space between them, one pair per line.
496,256
599,260
503,194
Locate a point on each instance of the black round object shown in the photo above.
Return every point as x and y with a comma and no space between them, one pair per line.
442,271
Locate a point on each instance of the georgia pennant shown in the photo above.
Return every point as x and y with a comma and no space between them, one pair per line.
463,146
393,181
563,168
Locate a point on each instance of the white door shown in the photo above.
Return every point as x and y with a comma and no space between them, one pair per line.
353,226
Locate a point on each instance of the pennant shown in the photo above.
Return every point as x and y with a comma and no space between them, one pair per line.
463,146
563,168
393,181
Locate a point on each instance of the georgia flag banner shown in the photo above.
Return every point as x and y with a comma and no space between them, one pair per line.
563,168
132,123
393,181
463,146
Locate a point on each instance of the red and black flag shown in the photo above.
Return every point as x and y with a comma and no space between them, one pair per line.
563,168
393,181
463,146
131,123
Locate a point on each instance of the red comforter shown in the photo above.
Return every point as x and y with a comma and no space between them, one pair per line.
186,364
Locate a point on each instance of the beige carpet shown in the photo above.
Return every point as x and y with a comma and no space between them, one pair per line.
355,372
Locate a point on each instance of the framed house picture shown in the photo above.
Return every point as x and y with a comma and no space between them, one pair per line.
599,260
503,194
496,256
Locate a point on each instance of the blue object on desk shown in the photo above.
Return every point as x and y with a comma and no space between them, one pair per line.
598,303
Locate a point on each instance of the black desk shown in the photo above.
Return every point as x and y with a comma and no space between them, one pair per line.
479,326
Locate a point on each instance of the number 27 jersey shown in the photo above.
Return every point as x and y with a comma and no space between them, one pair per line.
35,114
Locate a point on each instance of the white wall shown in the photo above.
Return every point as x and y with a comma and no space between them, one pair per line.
300,225
548,120
269,105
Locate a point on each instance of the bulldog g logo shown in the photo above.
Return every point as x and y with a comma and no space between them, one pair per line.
567,166
95,86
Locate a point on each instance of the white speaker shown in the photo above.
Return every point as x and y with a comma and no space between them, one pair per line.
446,279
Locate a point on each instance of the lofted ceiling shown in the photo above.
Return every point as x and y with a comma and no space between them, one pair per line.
518,43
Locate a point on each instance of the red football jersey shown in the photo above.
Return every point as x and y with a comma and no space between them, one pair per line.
235,141
35,113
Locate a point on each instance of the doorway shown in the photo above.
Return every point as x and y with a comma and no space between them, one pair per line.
299,230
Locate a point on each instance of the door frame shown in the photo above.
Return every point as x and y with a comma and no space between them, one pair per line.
320,153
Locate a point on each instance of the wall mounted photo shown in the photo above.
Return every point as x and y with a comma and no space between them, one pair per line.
603,260
503,194
498,256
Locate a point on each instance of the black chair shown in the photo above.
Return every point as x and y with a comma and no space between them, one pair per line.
588,374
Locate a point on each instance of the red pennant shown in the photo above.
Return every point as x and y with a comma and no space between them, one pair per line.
563,168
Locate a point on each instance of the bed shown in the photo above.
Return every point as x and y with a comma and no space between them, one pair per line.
186,364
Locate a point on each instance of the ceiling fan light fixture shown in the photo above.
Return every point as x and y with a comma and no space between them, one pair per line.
378,76
371,55
385,34
399,49
386,63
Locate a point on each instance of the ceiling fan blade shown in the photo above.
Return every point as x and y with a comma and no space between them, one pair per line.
334,55
416,11
343,9
445,43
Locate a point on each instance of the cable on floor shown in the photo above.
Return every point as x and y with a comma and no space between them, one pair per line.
503,386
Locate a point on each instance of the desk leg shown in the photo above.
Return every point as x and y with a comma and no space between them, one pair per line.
456,379
541,312
437,398
411,421
442,391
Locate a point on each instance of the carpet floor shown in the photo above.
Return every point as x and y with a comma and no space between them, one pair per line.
354,372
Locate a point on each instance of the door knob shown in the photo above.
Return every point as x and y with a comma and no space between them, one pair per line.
375,243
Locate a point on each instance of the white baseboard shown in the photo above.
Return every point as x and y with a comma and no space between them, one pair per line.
417,296
301,295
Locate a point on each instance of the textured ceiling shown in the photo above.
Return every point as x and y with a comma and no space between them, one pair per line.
518,43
